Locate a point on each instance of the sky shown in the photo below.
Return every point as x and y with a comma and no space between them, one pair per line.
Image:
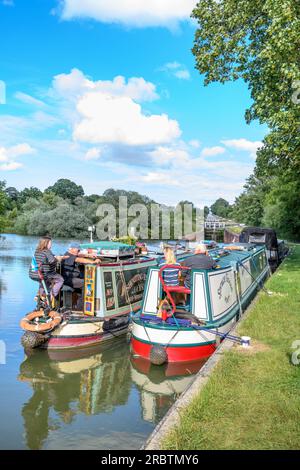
107,95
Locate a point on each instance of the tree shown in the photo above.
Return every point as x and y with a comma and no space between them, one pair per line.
3,197
3,205
258,41
28,193
12,193
282,206
221,207
66,189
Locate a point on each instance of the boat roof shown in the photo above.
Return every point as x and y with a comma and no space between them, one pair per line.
106,245
226,258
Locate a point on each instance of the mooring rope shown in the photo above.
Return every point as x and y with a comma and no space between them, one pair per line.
127,297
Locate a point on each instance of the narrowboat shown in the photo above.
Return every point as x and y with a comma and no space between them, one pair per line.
276,249
163,331
113,290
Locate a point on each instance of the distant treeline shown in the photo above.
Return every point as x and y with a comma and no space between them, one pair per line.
63,210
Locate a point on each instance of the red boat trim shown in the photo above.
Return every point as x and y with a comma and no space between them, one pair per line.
175,354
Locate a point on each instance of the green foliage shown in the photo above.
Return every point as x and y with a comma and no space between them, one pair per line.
206,211
282,207
3,197
66,189
3,206
42,213
112,196
258,41
221,208
28,193
12,193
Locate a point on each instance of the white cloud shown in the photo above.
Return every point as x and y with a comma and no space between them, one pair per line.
195,143
182,74
93,154
28,99
212,151
160,178
166,155
108,111
118,119
171,65
244,145
8,155
138,13
8,3
75,83
10,166
176,69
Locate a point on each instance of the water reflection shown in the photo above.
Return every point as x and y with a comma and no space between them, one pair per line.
160,386
70,383
91,399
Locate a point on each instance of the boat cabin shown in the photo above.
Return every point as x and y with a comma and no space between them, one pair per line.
114,287
216,295
276,249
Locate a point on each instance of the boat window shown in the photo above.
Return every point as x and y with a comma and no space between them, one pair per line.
130,285
257,238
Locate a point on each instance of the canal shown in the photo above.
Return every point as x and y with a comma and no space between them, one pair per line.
90,399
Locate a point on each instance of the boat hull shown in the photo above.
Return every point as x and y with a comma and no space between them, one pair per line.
175,354
84,333
183,345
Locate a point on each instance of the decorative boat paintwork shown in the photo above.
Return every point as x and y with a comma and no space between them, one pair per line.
112,291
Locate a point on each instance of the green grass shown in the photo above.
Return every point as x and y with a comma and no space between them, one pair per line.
252,401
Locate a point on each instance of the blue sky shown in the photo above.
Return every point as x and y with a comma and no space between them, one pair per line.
106,94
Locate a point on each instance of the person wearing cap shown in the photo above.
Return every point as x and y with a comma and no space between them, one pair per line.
200,260
70,267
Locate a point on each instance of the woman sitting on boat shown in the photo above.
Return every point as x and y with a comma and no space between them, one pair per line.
170,275
47,263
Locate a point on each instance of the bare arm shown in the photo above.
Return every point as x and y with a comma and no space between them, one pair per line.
87,261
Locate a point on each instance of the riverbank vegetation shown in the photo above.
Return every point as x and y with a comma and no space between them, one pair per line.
252,400
64,211
258,42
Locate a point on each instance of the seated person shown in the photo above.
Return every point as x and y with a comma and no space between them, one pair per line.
70,268
170,275
45,261
200,260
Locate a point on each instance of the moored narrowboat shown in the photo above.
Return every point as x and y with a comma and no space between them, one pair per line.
276,249
164,331
113,290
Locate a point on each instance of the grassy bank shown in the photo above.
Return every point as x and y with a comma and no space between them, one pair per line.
252,399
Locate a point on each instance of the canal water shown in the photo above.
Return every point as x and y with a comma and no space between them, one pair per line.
91,399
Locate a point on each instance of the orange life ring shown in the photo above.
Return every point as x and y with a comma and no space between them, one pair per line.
28,324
